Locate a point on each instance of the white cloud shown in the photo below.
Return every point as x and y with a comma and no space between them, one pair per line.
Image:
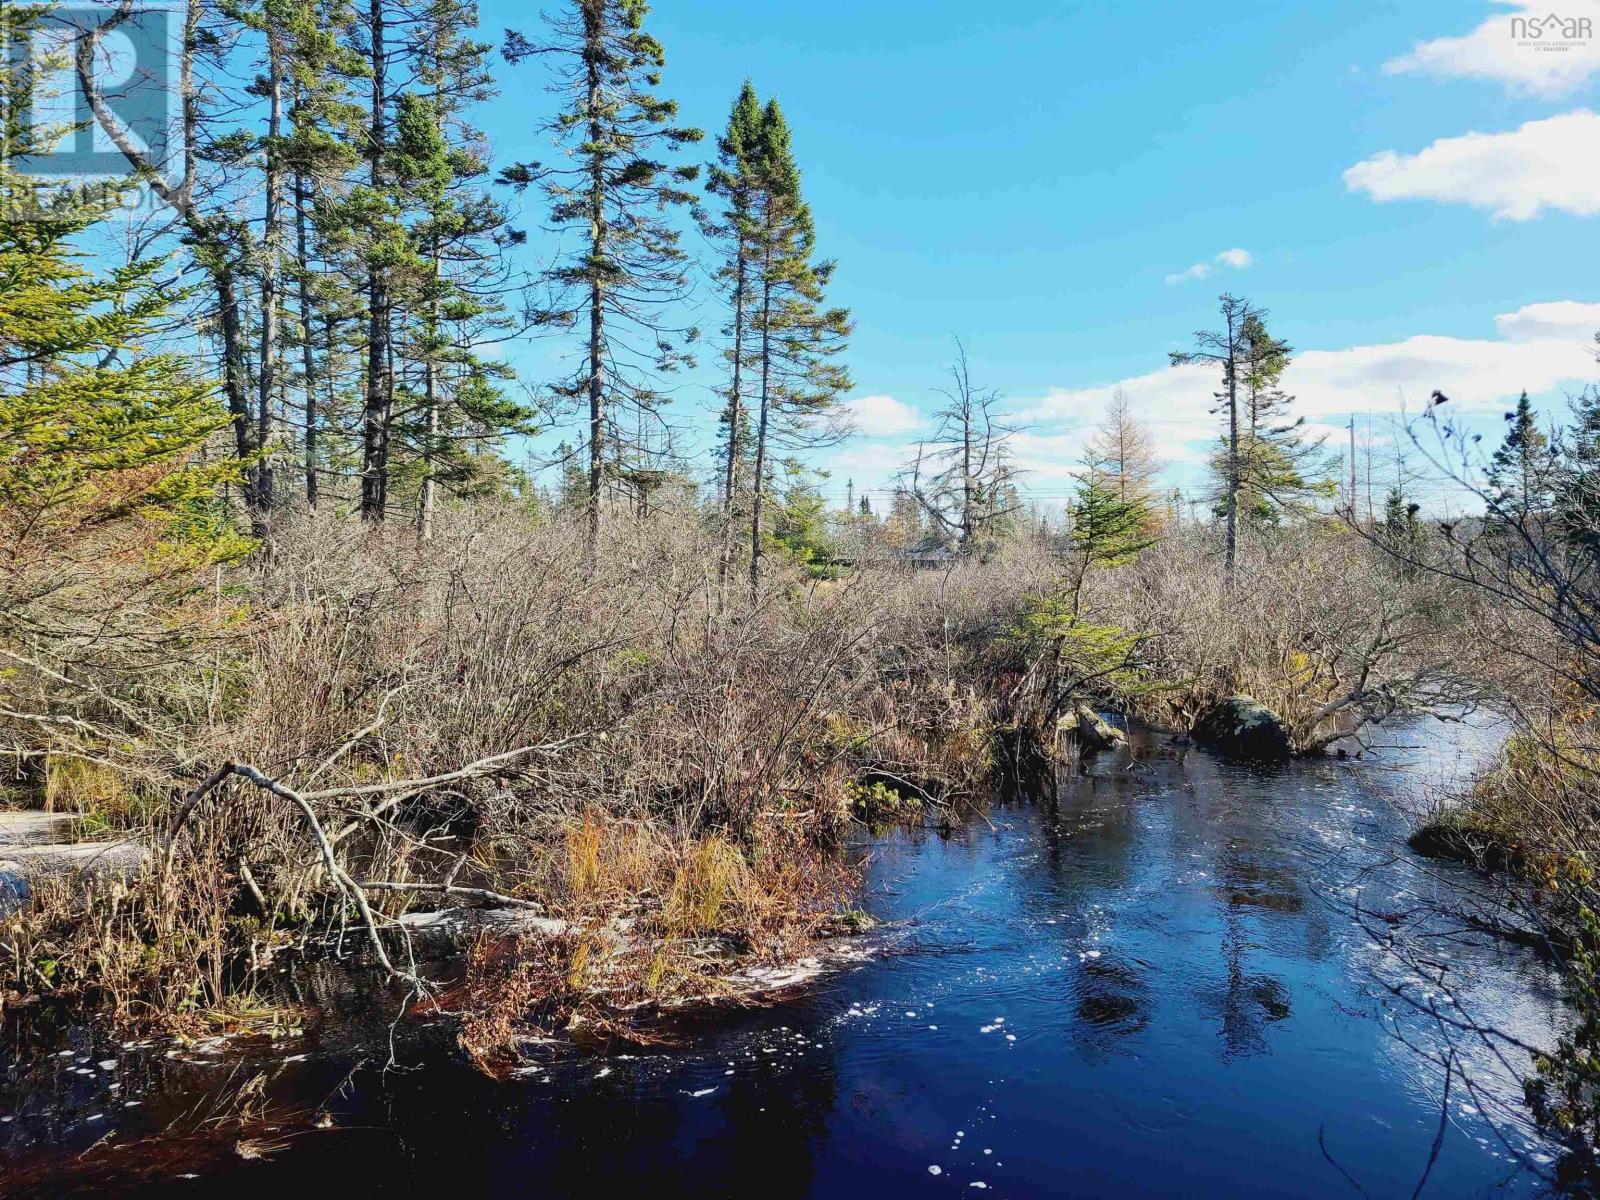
883,416
1198,271
1542,347
1235,258
1560,320
1535,351
1543,164
1507,49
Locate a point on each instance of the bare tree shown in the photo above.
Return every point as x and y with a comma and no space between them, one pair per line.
1122,453
964,479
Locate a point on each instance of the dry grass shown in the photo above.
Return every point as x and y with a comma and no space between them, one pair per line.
1321,627
703,748
699,751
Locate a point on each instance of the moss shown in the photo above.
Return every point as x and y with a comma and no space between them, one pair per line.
878,802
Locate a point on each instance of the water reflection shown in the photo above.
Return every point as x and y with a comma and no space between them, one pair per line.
1149,982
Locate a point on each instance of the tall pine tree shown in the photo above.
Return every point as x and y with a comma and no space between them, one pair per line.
614,191
797,336
735,179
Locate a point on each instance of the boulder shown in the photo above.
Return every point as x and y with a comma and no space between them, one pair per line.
1449,840
1243,728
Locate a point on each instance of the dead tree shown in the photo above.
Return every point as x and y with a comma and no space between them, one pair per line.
964,478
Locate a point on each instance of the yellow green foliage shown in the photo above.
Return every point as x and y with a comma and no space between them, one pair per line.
1080,651
880,802
99,439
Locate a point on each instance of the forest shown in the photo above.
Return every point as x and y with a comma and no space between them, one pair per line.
333,632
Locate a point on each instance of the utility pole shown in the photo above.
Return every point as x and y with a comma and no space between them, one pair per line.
1352,466
1369,468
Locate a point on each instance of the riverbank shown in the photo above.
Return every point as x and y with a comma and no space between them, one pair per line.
637,756
1175,944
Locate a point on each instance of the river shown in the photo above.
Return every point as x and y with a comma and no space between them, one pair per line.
1173,977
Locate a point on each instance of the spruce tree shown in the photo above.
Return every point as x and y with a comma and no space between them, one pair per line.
734,178
108,505
1279,471
1225,348
614,191
1263,466
1577,479
1106,530
796,335
1521,472
319,152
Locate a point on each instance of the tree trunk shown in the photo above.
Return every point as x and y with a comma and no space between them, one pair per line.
594,54
735,417
272,264
307,357
1233,453
758,484
234,385
430,400
375,414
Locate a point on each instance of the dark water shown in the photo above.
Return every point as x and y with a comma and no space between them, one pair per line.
1174,978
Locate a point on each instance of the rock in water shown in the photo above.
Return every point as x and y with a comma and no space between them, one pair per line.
1242,727
1095,732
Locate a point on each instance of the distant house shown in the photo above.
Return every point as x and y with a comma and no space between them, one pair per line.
930,554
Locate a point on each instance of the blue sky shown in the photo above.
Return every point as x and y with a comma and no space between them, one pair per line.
1029,177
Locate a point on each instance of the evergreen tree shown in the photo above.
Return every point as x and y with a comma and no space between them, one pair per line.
1278,471
323,124
1225,348
615,193
91,440
1521,473
797,336
99,439
735,179
800,526
108,507
1577,480
452,406
1263,466
1106,531
1401,528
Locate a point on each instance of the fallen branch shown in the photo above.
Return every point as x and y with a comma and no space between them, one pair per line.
484,766
446,889
347,885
